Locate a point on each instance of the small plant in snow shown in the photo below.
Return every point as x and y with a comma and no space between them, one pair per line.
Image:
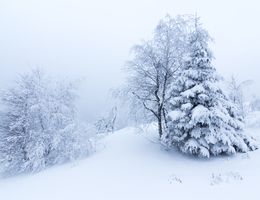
225,178
174,179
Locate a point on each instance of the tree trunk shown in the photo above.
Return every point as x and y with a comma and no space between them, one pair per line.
159,119
165,119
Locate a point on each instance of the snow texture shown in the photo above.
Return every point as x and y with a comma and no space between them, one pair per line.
132,165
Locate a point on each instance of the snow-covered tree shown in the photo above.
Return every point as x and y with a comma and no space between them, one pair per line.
202,120
39,128
153,67
255,104
107,124
236,94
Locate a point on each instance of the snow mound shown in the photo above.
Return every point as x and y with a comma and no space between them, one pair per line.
132,164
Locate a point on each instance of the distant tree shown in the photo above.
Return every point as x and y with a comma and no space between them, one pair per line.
236,94
255,104
108,123
38,127
154,65
202,120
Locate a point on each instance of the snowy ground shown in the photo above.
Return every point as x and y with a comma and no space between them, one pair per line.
132,165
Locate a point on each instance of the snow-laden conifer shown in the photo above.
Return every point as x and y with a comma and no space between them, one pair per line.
202,120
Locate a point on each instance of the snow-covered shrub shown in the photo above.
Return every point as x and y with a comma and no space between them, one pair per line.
202,121
107,124
38,127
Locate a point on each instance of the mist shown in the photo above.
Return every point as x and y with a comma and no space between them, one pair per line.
91,40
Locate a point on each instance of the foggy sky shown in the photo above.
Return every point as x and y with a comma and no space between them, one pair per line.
92,39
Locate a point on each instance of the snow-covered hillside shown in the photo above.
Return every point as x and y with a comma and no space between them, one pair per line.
130,164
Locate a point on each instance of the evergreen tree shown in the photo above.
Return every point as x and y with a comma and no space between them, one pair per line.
202,120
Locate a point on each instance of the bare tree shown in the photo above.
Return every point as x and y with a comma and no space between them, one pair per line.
154,64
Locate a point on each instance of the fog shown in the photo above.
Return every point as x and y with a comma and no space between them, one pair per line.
91,39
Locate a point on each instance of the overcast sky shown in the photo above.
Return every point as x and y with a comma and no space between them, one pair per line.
91,39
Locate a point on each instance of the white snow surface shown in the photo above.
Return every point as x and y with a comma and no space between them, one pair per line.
131,164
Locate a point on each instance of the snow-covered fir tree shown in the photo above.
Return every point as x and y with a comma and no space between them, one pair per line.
202,121
38,127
